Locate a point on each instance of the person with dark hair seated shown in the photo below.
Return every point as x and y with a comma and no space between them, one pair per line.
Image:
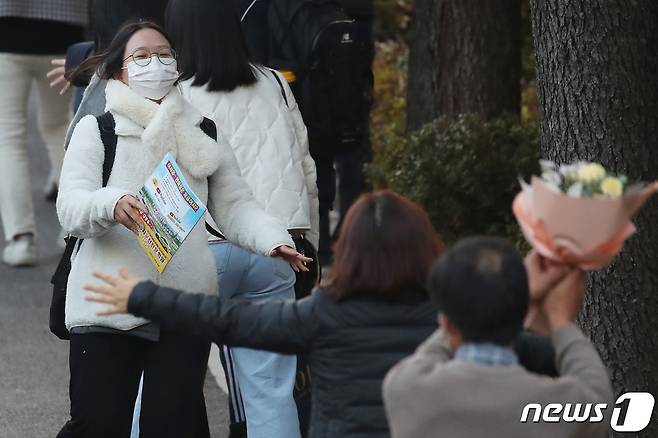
372,311
468,370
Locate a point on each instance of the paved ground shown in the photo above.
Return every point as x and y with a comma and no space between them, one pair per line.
33,363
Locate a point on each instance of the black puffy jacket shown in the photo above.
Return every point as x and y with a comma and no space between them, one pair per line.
351,344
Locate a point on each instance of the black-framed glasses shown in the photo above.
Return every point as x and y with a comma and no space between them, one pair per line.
142,56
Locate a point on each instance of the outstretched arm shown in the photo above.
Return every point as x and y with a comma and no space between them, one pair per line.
283,326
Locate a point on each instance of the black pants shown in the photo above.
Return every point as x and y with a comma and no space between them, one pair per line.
349,165
105,372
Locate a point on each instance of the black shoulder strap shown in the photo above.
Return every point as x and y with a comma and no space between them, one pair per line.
209,128
108,136
214,232
283,90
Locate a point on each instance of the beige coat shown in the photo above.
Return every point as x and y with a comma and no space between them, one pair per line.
429,395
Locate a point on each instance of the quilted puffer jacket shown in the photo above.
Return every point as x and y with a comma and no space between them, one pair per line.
269,139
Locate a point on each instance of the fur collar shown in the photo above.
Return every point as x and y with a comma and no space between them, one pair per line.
171,126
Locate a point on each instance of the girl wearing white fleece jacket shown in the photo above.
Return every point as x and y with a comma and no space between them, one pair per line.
151,119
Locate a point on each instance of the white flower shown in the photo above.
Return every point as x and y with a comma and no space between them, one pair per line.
576,190
570,171
552,177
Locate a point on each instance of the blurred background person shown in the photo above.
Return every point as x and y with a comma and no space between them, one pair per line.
255,27
328,62
31,32
350,164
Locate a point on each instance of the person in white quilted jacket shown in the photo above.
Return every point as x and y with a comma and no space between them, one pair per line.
107,353
255,110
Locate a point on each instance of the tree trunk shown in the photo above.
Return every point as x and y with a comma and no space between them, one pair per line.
597,62
465,57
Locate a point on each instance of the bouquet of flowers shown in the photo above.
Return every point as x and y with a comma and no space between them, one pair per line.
579,213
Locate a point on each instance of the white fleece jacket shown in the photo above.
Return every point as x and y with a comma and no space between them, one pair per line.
270,142
146,131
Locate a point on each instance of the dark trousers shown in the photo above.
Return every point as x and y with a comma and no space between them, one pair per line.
105,372
348,165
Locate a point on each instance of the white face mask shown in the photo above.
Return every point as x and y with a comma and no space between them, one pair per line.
153,81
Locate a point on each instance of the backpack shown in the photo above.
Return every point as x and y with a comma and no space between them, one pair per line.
60,278
325,50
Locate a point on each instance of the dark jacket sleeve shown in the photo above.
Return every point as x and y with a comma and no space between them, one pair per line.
536,354
282,326
75,55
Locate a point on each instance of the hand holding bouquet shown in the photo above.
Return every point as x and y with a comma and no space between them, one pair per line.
579,214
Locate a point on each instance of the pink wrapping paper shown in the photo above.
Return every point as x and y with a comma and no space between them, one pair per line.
587,232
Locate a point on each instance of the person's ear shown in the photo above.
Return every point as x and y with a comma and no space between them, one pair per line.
447,325
451,331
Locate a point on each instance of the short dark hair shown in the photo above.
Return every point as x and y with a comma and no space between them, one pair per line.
481,286
385,249
110,61
210,44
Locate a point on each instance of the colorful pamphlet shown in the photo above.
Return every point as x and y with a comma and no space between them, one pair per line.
173,210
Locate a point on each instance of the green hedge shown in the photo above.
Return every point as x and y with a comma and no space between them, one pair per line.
392,18
463,170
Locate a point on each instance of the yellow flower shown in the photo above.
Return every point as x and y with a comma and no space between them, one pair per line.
591,172
612,187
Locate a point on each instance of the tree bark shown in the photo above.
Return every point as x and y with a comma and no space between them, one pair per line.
465,57
597,62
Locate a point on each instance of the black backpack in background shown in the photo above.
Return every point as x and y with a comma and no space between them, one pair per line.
323,47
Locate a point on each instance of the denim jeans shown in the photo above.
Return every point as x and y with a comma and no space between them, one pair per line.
265,379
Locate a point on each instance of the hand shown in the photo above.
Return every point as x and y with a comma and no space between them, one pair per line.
127,211
296,260
536,320
543,274
564,302
58,73
115,292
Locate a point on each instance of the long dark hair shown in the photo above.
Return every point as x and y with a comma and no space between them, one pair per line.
108,63
386,247
210,43
107,16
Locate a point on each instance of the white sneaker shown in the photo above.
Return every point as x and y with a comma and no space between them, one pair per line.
20,251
